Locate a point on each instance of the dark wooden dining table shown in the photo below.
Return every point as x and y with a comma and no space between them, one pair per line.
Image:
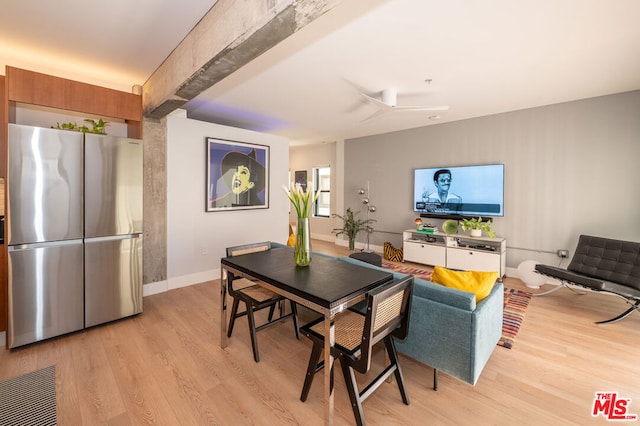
327,285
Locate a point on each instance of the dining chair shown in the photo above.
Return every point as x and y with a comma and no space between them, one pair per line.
255,298
386,317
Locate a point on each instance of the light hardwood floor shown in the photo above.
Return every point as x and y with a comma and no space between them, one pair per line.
165,367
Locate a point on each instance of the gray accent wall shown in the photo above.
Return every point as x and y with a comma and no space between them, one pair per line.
570,169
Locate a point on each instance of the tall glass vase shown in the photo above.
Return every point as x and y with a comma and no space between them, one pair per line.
302,245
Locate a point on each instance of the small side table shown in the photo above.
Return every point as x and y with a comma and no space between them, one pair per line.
371,258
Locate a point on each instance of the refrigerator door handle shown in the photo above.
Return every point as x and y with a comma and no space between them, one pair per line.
112,238
43,245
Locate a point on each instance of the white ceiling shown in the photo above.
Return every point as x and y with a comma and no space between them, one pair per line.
481,57
116,44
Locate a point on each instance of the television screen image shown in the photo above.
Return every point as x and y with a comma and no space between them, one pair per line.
459,191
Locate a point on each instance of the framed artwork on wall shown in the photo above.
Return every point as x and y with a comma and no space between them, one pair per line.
300,177
237,175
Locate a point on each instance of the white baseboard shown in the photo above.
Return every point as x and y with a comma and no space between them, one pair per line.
322,237
197,278
155,288
181,281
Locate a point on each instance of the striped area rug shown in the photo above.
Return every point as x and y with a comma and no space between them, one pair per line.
515,306
515,303
29,399
403,269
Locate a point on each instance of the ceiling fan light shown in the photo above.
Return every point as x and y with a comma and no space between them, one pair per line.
390,97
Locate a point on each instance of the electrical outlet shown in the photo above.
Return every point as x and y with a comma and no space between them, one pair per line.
204,250
563,253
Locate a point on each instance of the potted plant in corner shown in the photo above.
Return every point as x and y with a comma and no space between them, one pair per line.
476,226
351,226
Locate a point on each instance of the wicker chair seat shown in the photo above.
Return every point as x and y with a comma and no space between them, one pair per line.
348,329
258,293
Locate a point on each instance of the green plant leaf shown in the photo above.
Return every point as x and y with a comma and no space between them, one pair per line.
350,225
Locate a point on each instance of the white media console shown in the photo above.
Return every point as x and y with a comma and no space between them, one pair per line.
455,251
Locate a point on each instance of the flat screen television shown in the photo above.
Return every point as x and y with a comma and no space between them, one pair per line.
462,191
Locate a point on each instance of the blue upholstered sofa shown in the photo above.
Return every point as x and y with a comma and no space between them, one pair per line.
449,331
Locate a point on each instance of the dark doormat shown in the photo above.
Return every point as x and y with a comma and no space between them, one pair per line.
29,399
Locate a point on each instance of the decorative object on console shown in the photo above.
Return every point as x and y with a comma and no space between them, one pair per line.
450,226
418,222
476,226
370,209
351,226
427,229
303,202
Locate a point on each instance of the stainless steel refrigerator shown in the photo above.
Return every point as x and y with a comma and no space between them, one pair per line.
74,231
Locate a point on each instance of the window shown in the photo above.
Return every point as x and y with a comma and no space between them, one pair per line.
322,184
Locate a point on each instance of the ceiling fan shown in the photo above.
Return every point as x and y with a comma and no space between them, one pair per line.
388,102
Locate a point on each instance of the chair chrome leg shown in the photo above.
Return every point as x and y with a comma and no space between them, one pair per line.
553,290
558,287
635,306
234,312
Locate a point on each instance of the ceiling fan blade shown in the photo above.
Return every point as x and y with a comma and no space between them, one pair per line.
378,113
374,101
421,108
388,103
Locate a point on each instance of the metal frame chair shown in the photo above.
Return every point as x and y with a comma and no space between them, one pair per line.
255,298
602,265
386,317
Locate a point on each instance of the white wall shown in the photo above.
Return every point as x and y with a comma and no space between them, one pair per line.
307,157
197,239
